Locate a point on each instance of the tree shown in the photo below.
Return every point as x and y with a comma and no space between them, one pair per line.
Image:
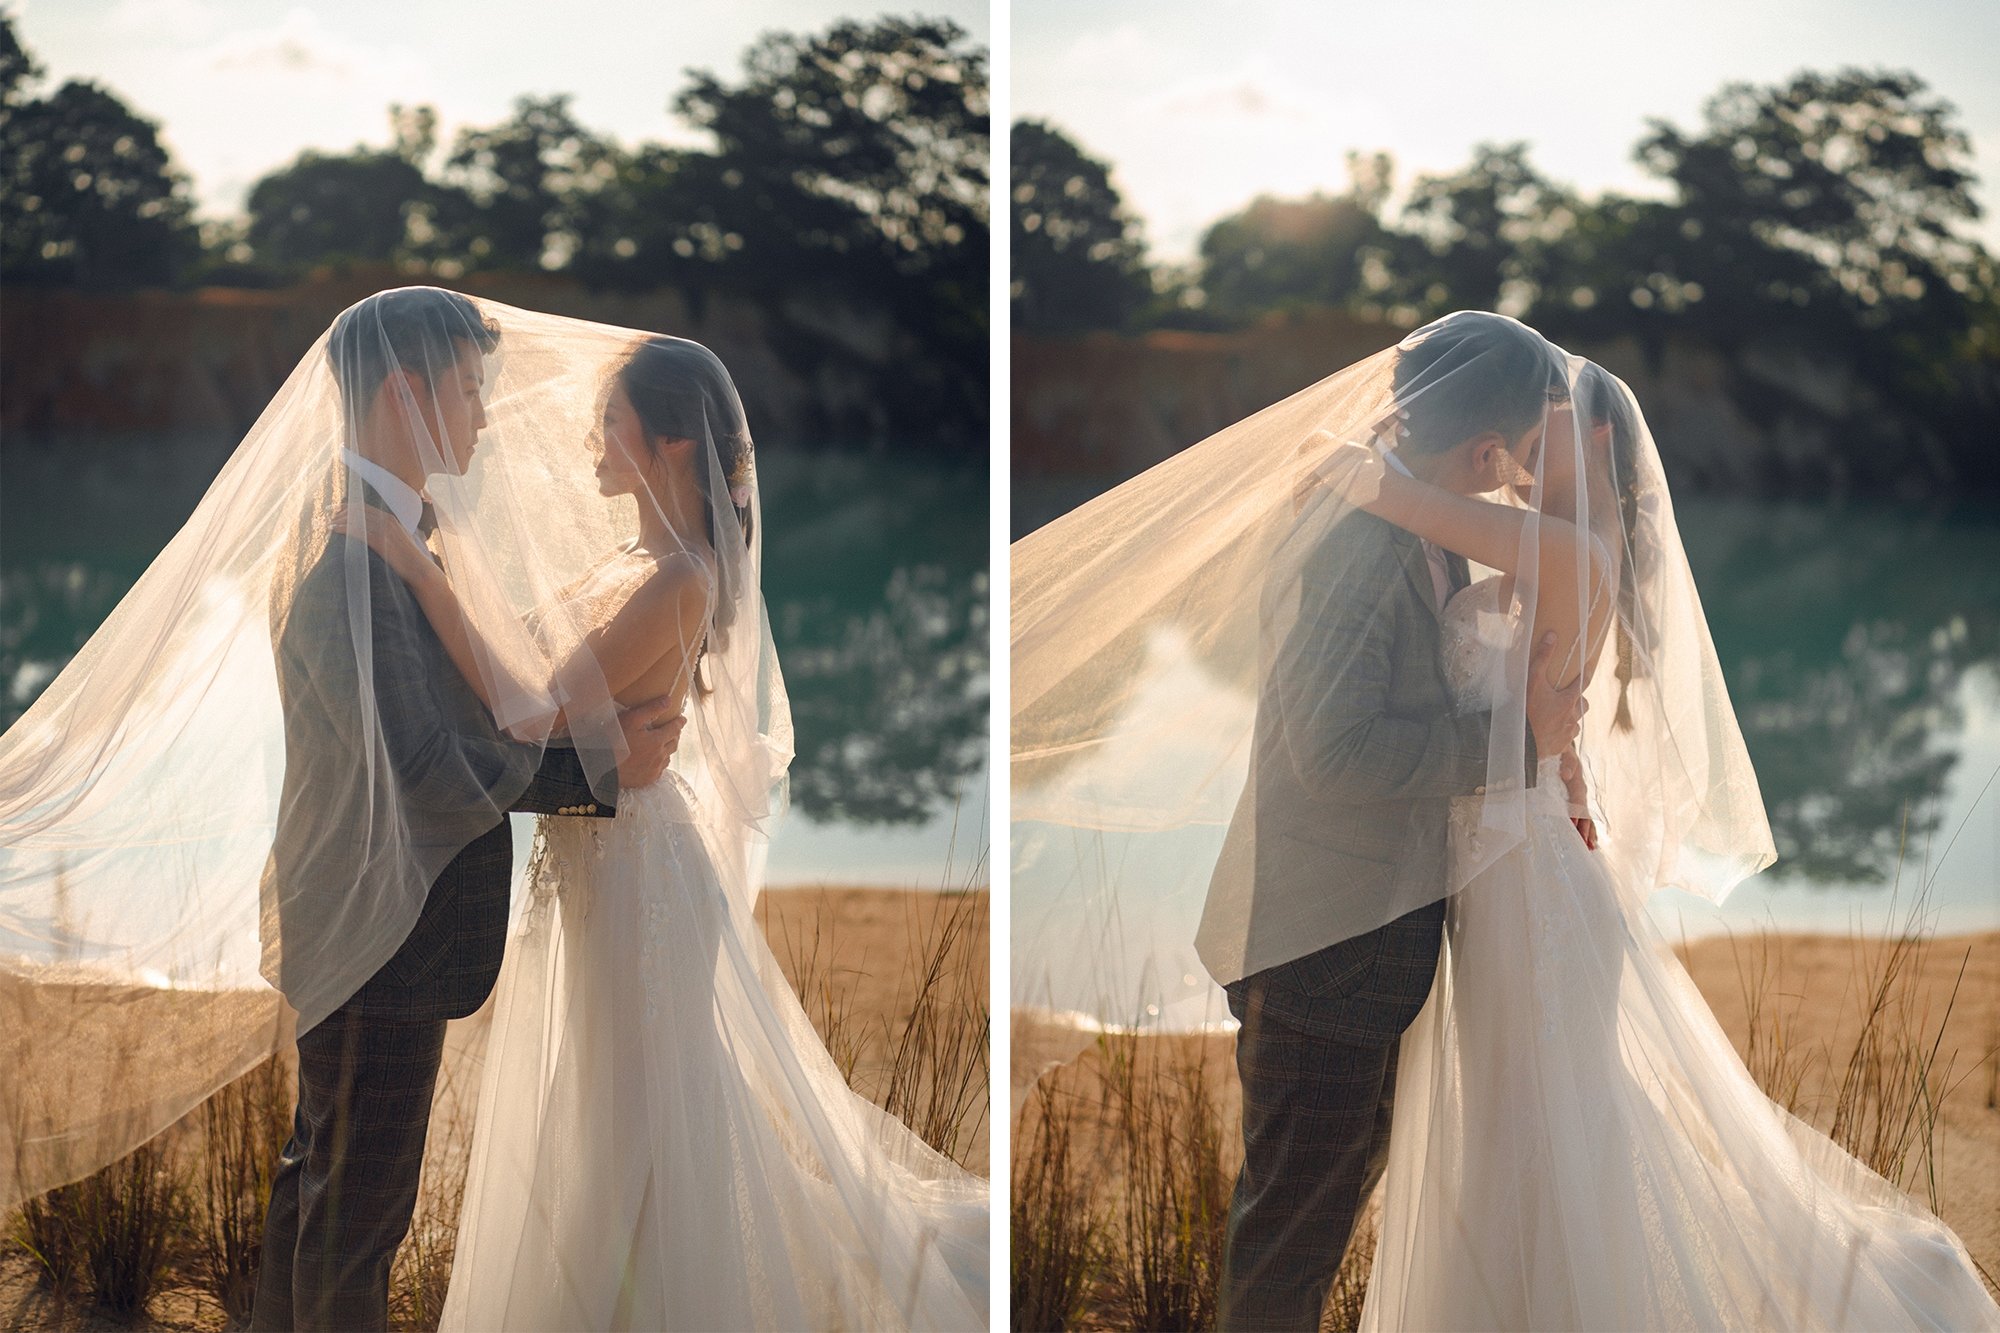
1860,175
88,196
868,141
529,179
1078,257
357,205
854,162
1482,234
1286,252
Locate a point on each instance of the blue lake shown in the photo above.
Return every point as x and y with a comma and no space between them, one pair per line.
875,575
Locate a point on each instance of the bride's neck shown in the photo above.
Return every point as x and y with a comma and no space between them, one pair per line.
673,525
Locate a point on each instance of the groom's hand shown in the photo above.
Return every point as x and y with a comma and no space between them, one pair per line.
1554,715
652,733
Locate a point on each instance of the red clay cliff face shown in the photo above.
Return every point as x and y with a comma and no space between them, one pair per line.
207,361
1103,407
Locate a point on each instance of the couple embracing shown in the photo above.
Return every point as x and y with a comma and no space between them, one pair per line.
475,560
1437,816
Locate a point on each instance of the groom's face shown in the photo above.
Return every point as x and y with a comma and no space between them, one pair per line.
454,410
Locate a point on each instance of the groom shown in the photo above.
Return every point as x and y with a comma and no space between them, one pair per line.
409,365
1356,755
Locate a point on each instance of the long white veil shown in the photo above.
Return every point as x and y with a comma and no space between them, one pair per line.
224,815
1217,768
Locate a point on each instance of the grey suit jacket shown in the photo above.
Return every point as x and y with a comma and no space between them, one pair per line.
457,774
1355,757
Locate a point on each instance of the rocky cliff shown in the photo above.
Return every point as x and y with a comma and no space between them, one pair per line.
1090,411
204,363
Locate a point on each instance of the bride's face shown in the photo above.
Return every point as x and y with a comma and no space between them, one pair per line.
1548,465
626,464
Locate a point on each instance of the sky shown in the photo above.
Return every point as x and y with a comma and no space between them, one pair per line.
241,86
1201,106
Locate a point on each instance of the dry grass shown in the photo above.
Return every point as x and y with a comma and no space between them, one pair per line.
243,1130
1058,1237
109,1235
937,1079
1119,1180
1167,1237
168,1236
1122,1166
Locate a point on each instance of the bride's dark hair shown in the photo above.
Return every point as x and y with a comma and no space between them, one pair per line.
680,391
1601,401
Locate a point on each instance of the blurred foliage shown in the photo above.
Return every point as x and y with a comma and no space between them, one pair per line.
845,192
1078,257
1823,221
1846,646
1280,253
88,197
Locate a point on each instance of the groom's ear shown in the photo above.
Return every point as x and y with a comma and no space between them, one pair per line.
1484,451
401,394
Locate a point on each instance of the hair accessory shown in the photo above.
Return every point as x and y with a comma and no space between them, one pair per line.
739,495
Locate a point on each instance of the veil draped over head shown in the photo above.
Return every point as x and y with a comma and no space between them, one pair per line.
241,789
1233,739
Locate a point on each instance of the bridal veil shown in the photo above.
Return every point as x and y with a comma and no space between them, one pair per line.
1192,668
181,877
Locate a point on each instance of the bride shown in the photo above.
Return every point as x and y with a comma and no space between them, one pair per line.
1571,1141
1575,1143
661,1141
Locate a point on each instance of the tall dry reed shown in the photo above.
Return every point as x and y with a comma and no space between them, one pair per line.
940,1062
243,1129
1057,1235
111,1233
1173,1204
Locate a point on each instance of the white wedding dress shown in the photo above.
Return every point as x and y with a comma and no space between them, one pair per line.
663,1142
1576,1145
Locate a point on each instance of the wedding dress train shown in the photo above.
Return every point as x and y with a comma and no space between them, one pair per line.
662,1140
1576,1145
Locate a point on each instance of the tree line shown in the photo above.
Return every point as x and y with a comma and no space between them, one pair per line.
1827,216
847,167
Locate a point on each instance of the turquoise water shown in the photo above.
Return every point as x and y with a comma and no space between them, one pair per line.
1862,651
875,575
1861,648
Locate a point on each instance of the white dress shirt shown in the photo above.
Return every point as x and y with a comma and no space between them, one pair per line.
404,503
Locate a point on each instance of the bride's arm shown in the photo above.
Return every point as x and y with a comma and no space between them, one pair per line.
433,591
1481,530
663,618
1491,533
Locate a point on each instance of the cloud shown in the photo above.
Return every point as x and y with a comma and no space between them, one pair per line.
303,46
160,18
1244,98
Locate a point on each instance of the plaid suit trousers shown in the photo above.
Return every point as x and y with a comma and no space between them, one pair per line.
347,1182
1316,1055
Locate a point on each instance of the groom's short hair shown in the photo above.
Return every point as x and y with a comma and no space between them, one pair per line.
1474,372
417,329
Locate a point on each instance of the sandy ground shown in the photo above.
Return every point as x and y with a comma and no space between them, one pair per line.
1812,986
857,948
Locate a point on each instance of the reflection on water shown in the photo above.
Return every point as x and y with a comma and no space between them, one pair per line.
1861,649
875,573
1846,638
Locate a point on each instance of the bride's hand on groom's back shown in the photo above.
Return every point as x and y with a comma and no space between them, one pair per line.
409,560
652,734
1555,713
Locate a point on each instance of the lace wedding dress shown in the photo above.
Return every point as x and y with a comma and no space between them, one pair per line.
662,1140
664,1143
1576,1144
